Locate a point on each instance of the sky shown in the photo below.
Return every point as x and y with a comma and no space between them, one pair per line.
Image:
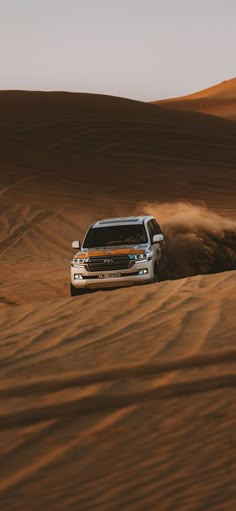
139,49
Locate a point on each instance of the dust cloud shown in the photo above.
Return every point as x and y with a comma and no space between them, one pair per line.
199,240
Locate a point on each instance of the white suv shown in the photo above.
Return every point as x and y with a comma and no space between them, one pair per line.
119,252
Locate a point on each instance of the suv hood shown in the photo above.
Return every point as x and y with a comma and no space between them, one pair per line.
104,251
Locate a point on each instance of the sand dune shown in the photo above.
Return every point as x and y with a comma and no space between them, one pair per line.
120,399
218,100
87,144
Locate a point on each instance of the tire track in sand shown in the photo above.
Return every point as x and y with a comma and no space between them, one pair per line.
23,229
147,370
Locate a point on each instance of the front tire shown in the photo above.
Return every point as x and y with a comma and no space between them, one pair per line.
74,291
156,274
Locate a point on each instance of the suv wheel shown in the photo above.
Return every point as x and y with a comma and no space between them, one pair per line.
156,277
74,291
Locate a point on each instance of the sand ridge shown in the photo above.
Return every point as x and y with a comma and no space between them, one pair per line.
217,100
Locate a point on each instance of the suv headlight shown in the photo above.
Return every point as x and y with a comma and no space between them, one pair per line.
146,256
81,261
140,257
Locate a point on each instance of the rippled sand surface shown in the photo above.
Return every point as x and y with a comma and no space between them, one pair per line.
121,399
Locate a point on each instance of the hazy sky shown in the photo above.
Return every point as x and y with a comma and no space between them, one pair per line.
142,49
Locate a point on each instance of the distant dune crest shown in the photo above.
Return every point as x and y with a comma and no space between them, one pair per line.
227,88
218,100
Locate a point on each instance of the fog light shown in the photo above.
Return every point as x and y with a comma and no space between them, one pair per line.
143,272
78,276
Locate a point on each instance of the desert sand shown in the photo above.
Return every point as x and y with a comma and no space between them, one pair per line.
120,399
217,100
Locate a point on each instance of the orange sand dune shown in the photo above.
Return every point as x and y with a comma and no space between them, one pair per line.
218,100
121,399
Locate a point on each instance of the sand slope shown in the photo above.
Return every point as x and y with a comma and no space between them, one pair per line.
218,100
122,399
87,144
127,438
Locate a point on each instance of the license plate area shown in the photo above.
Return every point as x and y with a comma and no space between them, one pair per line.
109,275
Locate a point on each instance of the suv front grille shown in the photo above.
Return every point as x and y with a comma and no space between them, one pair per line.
109,263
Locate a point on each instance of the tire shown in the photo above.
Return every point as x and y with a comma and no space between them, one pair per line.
165,274
156,277
74,291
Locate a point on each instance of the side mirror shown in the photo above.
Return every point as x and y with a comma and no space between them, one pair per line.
157,238
76,245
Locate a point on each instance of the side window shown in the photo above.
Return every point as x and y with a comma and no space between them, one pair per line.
156,227
150,230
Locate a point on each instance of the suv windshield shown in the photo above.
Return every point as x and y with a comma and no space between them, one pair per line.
116,235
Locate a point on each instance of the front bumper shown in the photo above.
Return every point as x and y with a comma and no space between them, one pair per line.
140,273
